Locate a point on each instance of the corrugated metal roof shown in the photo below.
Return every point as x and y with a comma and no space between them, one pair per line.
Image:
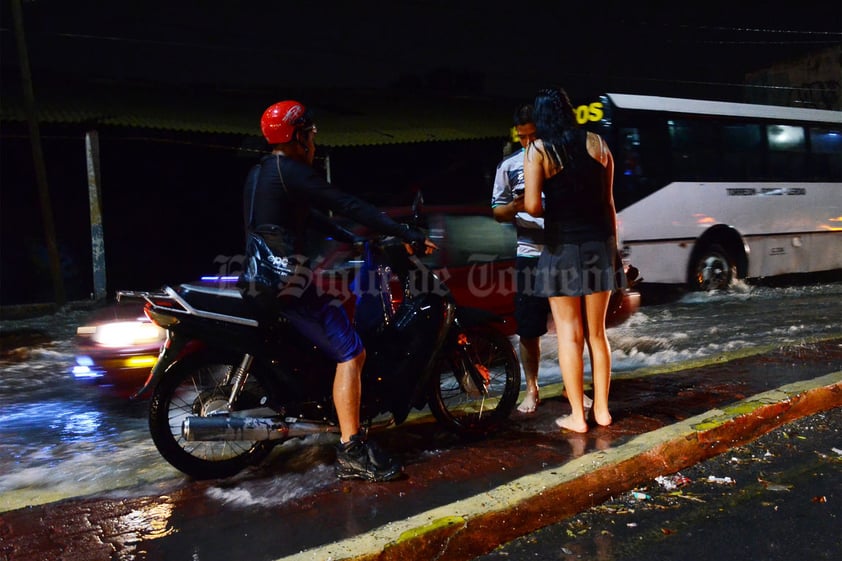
344,119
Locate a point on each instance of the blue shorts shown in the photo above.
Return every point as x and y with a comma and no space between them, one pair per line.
531,310
324,322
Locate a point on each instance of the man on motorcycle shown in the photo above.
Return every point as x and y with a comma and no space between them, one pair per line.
280,196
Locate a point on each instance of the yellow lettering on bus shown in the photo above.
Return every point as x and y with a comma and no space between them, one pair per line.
592,112
596,113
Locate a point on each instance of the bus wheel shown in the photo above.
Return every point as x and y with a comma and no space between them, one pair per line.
713,269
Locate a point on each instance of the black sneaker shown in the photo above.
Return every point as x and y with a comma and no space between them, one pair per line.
360,459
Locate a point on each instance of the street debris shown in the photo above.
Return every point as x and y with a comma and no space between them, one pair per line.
771,486
686,496
721,480
672,482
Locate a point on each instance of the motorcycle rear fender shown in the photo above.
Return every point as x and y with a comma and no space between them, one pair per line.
174,349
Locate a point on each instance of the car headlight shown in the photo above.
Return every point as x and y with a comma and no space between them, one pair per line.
127,334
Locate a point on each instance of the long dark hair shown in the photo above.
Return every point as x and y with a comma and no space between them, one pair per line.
556,126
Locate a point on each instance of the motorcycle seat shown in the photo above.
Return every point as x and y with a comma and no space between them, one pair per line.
225,301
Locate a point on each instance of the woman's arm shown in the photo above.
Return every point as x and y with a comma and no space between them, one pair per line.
598,150
533,175
609,185
607,160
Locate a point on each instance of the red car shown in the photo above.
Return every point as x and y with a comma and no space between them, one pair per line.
476,259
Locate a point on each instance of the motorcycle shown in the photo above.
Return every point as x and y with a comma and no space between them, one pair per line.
228,386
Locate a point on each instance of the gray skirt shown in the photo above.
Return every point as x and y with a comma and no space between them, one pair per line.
577,269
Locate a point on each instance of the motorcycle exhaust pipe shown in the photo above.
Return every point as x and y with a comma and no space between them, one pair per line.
224,427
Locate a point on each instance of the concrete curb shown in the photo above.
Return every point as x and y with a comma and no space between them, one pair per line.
474,526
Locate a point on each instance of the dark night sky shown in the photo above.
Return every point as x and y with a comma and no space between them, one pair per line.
445,46
478,46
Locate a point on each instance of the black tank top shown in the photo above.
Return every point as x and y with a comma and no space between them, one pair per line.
576,206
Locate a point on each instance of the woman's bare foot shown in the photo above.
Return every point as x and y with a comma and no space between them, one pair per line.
567,422
587,402
602,419
529,403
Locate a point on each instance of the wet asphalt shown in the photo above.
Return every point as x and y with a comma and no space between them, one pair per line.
460,499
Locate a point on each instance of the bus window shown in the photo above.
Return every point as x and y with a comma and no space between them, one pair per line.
742,152
787,152
825,154
639,163
694,150
630,166
628,169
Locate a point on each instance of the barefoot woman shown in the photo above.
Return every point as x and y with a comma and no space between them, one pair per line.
574,170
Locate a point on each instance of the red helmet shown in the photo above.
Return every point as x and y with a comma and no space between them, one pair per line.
280,121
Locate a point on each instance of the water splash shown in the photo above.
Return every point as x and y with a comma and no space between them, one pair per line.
58,439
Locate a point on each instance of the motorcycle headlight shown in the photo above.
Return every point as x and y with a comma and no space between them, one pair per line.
127,334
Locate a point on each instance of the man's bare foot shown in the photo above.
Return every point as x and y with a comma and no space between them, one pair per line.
602,419
529,403
568,423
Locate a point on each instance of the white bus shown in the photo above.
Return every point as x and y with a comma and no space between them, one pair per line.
708,191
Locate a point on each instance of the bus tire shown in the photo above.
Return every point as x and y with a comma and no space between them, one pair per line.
713,269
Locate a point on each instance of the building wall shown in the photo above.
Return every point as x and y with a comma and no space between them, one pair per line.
814,81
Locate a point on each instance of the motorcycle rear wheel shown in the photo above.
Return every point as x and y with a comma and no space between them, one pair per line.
195,386
454,398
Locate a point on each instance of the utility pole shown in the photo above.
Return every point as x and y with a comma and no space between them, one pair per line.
38,157
95,204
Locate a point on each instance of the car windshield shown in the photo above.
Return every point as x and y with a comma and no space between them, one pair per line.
463,239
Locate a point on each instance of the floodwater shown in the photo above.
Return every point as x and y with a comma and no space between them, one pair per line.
58,439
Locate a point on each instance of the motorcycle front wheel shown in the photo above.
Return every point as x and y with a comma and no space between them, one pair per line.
196,386
458,401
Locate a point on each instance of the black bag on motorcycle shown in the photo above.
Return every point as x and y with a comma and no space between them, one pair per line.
263,271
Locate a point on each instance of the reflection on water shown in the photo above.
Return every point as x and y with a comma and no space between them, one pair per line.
149,522
82,424
59,439
585,443
50,449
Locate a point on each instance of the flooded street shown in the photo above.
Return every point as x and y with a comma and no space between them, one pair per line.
58,439
701,326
